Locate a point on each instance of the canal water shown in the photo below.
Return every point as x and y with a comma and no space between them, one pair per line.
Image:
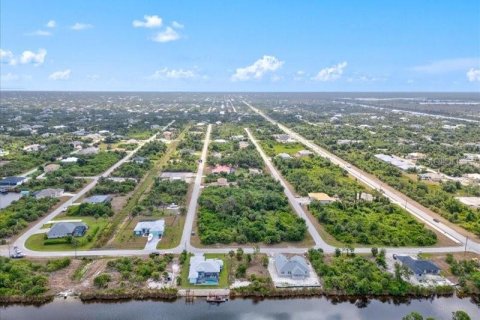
241,309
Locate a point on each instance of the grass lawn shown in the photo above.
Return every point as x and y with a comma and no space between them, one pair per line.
173,231
125,239
36,241
223,281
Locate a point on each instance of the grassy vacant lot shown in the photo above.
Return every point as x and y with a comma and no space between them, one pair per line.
223,282
173,231
274,148
37,241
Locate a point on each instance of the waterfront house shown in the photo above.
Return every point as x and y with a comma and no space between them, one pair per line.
296,267
11,181
419,268
204,271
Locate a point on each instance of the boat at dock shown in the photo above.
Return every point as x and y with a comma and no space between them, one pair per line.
212,298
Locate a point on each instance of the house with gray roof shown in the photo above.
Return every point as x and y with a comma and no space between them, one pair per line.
419,268
144,228
65,229
204,271
296,267
98,199
49,193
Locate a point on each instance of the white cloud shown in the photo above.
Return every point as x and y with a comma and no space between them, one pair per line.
39,33
448,65
60,75
167,73
81,26
6,56
177,25
51,24
257,69
32,57
150,22
331,73
9,77
473,75
93,77
166,36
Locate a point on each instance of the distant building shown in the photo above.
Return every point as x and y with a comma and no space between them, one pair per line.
139,160
473,202
34,147
167,135
284,155
283,138
220,141
51,167
222,169
419,268
321,197
222,182
11,181
243,144
395,161
65,229
303,153
69,160
89,151
98,199
237,138
188,177
173,208
49,193
296,267
144,228
365,196
204,271
416,156
431,176
254,171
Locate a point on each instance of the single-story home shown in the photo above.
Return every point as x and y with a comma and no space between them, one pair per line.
167,135
431,176
11,181
172,176
222,169
303,153
65,229
222,182
51,167
34,147
139,160
144,228
49,193
69,160
173,208
419,268
296,267
254,171
365,196
284,155
204,271
243,144
473,202
283,138
89,151
98,199
321,197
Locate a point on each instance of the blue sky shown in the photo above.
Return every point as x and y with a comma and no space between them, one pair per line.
240,45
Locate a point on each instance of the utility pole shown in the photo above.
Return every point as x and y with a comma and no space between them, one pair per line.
466,241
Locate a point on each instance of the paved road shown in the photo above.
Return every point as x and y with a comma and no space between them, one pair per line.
20,242
374,183
319,242
185,241
192,206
